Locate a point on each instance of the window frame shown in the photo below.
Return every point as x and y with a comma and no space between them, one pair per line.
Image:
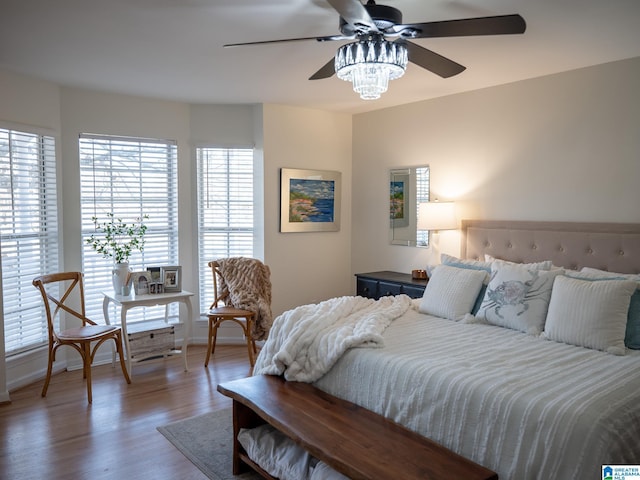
24,317
236,234
137,177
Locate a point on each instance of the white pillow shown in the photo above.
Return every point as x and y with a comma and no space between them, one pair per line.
544,265
276,453
589,314
517,297
451,292
632,335
322,471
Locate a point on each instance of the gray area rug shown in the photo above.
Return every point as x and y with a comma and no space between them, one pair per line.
207,441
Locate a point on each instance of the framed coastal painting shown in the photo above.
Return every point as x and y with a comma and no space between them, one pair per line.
399,195
309,200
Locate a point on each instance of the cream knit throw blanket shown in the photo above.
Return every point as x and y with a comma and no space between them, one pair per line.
246,284
305,342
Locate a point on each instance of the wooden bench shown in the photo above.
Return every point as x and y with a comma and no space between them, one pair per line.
353,440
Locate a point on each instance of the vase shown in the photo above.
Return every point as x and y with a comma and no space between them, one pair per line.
120,273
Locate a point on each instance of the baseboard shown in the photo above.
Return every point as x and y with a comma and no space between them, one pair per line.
23,370
27,368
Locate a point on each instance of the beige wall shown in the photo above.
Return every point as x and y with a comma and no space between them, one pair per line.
28,101
561,147
306,267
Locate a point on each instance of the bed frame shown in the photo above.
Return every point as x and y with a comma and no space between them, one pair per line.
606,246
356,442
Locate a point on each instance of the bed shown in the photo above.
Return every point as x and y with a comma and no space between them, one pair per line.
528,401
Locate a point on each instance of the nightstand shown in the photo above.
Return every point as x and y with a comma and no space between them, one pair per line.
380,284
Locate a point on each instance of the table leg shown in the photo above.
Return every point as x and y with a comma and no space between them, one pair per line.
105,312
125,338
186,332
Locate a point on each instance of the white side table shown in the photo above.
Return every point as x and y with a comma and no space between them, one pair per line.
128,302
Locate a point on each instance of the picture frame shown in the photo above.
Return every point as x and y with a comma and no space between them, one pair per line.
140,282
156,288
399,200
155,273
310,200
171,276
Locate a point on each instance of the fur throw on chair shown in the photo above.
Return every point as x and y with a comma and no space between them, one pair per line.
246,284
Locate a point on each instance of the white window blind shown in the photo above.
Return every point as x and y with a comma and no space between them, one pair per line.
28,233
225,209
131,178
422,195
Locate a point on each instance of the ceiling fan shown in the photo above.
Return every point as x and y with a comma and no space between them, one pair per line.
371,26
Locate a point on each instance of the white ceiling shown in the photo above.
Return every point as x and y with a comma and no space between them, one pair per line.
172,49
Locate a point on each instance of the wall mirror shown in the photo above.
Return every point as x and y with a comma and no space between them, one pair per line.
408,187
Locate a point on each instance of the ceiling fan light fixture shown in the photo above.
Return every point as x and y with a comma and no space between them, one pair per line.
370,63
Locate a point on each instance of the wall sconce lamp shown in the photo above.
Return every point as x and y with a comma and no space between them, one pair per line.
437,216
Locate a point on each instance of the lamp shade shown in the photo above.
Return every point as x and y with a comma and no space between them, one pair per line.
437,216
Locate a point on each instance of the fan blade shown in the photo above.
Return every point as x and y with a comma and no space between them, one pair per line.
326,71
331,38
433,62
354,13
498,25
328,38
279,41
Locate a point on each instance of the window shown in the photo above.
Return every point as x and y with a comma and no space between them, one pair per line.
129,177
225,209
28,233
422,195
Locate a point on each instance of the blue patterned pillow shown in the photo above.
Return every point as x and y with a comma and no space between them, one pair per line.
478,304
463,263
632,334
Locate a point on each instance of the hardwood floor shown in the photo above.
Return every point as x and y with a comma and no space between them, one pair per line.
62,436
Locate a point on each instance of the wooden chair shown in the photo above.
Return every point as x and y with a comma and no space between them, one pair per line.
57,291
218,314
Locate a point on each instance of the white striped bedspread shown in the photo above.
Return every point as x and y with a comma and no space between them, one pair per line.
525,407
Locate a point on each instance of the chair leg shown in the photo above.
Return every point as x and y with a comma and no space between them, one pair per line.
86,359
120,348
84,350
49,368
252,359
251,344
209,342
215,336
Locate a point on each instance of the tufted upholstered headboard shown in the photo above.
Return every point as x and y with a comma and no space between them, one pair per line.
607,246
